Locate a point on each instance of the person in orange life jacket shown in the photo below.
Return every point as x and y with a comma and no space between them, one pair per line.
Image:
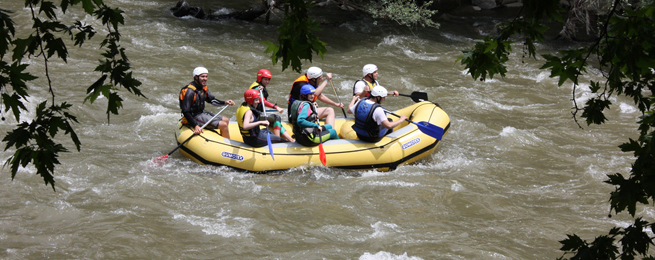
263,78
305,122
371,122
362,87
192,103
248,118
314,77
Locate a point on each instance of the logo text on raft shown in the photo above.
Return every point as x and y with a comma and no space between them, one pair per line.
232,156
411,143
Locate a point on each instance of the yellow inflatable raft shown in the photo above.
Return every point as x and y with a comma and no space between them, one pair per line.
405,145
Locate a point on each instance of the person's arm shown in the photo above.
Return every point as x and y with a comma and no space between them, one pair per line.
351,106
327,100
186,105
394,93
387,124
319,89
217,102
213,100
247,124
302,118
271,105
360,89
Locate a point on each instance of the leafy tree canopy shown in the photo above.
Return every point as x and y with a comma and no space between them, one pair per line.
297,40
34,141
624,52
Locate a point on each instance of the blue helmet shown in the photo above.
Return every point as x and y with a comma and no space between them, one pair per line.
307,89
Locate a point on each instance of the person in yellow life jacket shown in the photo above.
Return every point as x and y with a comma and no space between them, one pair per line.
264,77
192,104
304,118
314,77
363,87
248,118
371,122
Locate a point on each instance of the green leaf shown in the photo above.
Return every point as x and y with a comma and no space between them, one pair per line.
573,242
48,8
89,6
13,102
593,110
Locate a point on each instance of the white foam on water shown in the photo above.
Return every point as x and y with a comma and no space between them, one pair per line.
456,186
522,137
420,56
394,183
222,11
222,225
189,49
626,108
374,173
382,229
382,255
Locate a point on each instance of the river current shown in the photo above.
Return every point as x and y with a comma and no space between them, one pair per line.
513,176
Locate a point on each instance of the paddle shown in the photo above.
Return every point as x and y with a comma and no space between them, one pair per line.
268,132
164,157
429,129
321,152
417,96
338,99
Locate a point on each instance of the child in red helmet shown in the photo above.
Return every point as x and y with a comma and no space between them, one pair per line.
263,78
248,118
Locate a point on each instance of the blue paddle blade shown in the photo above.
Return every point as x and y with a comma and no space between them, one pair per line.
270,146
429,129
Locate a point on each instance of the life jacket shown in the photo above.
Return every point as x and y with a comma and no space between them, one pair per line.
198,103
255,85
307,136
365,125
241,113
370,86
302,78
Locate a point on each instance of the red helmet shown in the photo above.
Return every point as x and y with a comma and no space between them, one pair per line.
263,73
251,95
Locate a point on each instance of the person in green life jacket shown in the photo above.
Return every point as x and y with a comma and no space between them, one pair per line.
248,118
363,87
264,77
371,122
305,116
192,104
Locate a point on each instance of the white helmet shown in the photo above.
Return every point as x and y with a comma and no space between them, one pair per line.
199,70
368,69
314,72
379,91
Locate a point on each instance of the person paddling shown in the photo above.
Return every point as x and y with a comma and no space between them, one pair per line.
248,118
313,77
371,122
363,87
192,104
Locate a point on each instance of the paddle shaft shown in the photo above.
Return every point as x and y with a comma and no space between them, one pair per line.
202,127
268,132
416,96
338,99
